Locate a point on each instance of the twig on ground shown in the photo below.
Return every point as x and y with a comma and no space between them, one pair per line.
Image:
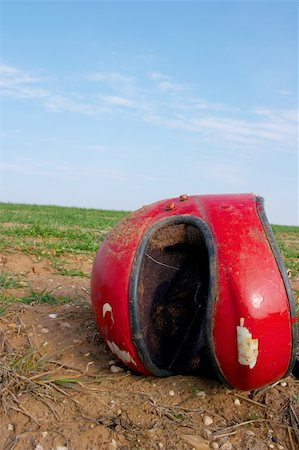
254,402
237,425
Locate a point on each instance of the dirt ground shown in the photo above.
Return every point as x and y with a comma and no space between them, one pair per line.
100,409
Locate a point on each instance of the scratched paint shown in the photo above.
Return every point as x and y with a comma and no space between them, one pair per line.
107,308
247,346
123,355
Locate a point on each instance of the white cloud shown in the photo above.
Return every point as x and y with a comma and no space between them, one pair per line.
285,92
118,101
166,83
18,84
118,81
164,103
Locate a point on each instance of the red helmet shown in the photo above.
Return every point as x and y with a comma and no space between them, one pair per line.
196,283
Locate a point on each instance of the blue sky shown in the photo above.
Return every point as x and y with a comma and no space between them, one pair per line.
119,104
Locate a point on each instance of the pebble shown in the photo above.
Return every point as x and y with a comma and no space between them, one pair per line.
237,402
44,330
250,433
171,393
61,447
39,447
226,446
53,316
112,445
77,341
214,445
271,446
200,394
283,384
160,445
116,369
280,447
65,325
10,427
207,420
44,434
111,362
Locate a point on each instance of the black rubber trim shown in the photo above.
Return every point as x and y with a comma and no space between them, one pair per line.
134,283
281,266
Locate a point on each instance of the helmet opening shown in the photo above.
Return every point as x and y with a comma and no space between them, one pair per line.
171,296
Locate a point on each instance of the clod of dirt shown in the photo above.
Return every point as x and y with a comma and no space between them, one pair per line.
197,442
226,446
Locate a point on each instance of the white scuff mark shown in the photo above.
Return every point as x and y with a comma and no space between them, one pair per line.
107,308
247,347
123,355
257,300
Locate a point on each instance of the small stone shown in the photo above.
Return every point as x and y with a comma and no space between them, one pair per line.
45,344
250,433
61,447
53,316
87,354
65,325
171,393
214,445
44,434
160,445
226,446
237,402
116,369
201,394
280,447
271,446
207,420
111,362
119,412
77,341
12,325
44,330
283,384
112,445
39,447
10,427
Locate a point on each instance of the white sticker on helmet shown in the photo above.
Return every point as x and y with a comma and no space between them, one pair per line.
247,347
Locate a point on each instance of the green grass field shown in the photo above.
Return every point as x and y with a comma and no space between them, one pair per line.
56,234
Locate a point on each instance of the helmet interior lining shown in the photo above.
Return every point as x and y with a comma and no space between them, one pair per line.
172,296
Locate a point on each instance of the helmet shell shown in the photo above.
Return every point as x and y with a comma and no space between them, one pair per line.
239,316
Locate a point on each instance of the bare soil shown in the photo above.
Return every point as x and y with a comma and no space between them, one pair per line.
120,410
